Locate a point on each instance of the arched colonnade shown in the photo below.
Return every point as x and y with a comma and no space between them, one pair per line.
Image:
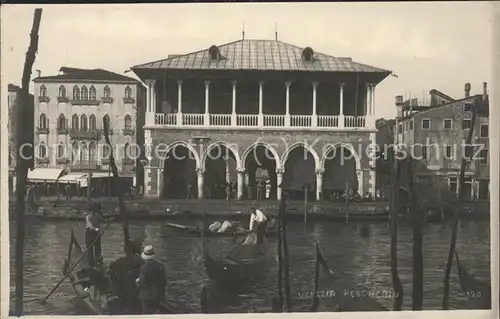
191,171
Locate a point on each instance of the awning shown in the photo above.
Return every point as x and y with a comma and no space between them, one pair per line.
72,178
40,175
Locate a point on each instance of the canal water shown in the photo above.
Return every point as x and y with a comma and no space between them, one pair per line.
358,256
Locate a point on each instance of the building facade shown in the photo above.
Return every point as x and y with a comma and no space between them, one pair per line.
227,113
436,133
13,100
70,111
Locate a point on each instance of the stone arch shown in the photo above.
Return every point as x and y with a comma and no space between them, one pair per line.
227,146
306,146
357,165
263,144
186,145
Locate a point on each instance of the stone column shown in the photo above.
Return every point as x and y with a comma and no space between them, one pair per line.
261,106
200,172
287,113
341,114
359,175
150,114
234,122
241,182
147,180
372,163
159,182
279,180
368,100
314,119
228,172
206,117
319,183
373,101
179,102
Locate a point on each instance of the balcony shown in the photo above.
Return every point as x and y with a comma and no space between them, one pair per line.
86,165
42,130
107,99
85,102
43,99
62,131
128,131
128,100
62,99
128,161
62,161
42,160
323,122
85,134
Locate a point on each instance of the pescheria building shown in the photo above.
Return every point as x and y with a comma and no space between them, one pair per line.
254,110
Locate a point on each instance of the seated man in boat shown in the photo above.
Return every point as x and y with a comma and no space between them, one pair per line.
123,273
257,220
151,282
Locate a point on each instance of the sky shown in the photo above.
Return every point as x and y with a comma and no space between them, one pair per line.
427,45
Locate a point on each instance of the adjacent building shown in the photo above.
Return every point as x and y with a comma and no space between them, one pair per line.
13,100
437,134
70,111
253,109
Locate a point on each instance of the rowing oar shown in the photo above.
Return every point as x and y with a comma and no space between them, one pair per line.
78,260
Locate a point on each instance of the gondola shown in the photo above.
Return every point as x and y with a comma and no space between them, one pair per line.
478,292
196,231
91,286
243,265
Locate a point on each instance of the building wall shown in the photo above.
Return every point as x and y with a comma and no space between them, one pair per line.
117,110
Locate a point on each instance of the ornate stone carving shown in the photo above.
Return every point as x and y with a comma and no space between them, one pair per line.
179,82
240,170
320,171
280,171
200,171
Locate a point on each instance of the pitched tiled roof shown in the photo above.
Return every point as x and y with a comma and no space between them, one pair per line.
259,55
73,74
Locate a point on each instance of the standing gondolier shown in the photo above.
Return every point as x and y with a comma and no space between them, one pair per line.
151,282
92,226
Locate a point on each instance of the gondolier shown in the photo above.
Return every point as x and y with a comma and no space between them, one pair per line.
256,217
92,226
151,282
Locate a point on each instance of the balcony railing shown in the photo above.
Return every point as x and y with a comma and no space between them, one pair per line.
62,161
85,102
42,130
85,134
62,99
128,131
107,99
44,160
128,100
267,121
87,165
43,99
62,130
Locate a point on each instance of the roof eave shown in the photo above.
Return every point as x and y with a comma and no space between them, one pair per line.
46,80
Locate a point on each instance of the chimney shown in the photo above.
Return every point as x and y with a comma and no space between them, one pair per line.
39,72
399,105
485,91
467,89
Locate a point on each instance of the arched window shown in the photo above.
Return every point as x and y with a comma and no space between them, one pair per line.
128,122
75,152
83,123
61,122
128,92
93,95
85,93
214,52
308,54
43,91
106,121
76,93
92,122
84,154
42,150
92,152
107,91
126,151
43,121
74,122
62,91
60,151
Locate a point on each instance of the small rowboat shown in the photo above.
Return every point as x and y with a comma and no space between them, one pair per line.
91,285
478,292
196,231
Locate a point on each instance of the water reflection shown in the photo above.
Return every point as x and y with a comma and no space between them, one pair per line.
360,259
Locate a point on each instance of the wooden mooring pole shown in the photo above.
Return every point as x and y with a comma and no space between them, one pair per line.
22,162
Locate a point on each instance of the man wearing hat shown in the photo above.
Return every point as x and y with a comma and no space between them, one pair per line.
151,282
92,226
